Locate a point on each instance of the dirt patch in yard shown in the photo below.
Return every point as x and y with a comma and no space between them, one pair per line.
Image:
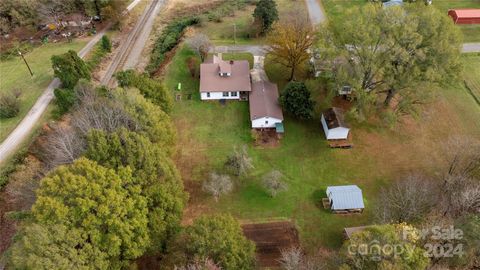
270,239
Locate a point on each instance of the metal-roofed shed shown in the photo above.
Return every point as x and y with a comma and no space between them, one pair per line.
345,198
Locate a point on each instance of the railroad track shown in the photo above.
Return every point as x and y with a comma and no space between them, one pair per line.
122,54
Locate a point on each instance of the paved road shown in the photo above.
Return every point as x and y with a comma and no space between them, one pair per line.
23,129
315,12
471,47
258,50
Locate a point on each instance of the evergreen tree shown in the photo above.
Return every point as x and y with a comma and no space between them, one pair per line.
295,99
106,44
69,68
266,14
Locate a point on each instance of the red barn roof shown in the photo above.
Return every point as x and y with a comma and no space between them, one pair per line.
465,16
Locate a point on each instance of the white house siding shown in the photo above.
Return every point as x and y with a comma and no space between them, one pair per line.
339,133
218,95
261,122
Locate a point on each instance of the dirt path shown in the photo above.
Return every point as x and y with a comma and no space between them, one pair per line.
23,129
471,47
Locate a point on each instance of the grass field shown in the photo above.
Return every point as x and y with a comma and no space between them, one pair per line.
336,8
208,132
223,33
472,73
14,75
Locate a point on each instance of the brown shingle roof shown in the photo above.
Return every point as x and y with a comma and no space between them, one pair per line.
211,81
334,118
264,101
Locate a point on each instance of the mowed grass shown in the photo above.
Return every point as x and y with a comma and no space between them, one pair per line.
209,131
14,75
472,73
335,10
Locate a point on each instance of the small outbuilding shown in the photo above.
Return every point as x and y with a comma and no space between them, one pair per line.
392,3
465,16
334,126
345,199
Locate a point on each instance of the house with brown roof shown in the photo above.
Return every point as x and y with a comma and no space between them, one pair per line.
265,111
334,125
220,79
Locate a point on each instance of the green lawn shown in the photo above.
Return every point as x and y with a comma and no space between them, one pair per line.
14,75
336,8
472,73
208,132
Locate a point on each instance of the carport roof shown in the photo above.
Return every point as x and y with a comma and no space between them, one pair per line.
345,197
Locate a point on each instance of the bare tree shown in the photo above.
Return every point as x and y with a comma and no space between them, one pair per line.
23,183
273,183
239,163
408,200
290,41
295,259
206,264
461,195
62,146
101,114
463,156
54,9
218,185
201,44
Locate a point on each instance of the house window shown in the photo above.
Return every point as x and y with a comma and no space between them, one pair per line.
233,94
225,94
208,94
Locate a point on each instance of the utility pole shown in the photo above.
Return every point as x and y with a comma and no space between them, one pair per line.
24,60
235,34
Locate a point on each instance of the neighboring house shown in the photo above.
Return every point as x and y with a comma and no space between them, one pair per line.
224,79
465,16
265,111
334,125
345,199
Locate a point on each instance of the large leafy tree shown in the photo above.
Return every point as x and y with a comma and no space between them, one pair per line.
295,99
219,238
69,68
395,52
266,14
55,247
152,121
290,41
107,209
150,88
365,249
153,170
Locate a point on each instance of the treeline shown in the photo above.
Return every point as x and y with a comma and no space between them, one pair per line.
102,190
32,13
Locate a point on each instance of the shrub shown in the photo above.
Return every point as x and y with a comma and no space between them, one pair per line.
105,44
167,40
9,104
64,98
